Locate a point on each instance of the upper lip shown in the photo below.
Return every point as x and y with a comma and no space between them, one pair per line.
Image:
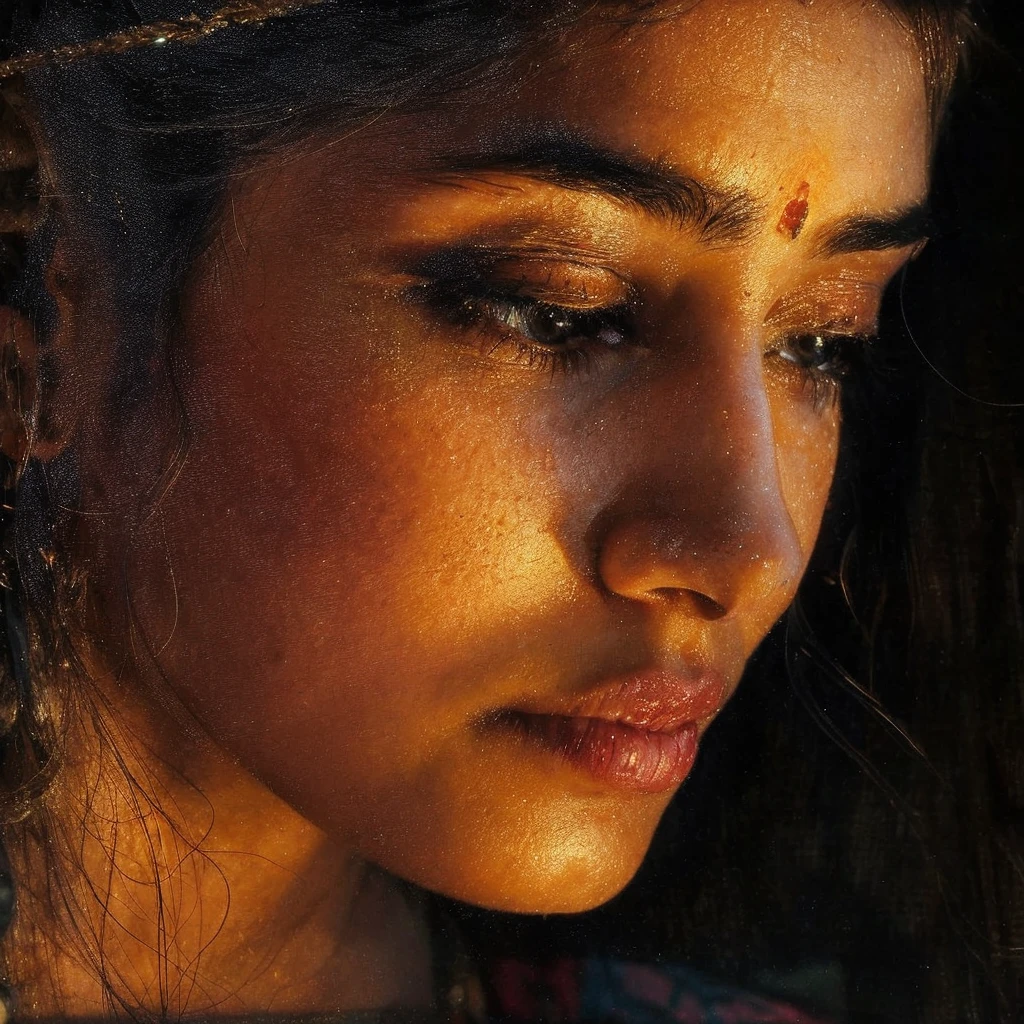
655,700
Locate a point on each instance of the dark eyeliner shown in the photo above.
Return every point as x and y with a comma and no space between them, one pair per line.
456,285
831,359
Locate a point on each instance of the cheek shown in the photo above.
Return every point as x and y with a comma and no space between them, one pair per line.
364,560
358,550
807,444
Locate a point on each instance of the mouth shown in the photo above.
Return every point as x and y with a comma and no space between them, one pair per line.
636,734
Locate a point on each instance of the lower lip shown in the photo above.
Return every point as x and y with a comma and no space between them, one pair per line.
615,754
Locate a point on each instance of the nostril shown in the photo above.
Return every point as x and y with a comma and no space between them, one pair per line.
701,605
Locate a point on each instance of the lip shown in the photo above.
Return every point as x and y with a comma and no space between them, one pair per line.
639,733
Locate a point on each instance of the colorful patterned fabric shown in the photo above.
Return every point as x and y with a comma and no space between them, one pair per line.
620,992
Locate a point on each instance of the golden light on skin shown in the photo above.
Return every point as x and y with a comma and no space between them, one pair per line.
390,525
407,493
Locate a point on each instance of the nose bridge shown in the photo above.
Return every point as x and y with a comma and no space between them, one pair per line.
731,451
714,519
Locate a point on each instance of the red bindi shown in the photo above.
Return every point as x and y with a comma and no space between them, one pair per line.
791,222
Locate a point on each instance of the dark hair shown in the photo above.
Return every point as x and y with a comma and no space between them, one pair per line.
137,150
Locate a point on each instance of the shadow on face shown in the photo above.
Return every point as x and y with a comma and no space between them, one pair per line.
514,422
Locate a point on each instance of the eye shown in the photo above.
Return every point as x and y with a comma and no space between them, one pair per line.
551,327
822,353
512,316
824,359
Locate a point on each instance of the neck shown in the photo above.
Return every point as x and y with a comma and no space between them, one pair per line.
174,883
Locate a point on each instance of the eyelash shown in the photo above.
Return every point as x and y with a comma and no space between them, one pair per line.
522,319
519,319
837,356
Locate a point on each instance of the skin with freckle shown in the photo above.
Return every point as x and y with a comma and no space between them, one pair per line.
405,526
404,508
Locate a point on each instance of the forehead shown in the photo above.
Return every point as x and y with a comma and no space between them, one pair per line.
751,95
758,98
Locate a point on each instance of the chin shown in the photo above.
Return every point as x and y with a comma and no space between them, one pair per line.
571,891
574,867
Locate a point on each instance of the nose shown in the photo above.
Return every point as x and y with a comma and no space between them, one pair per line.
702,521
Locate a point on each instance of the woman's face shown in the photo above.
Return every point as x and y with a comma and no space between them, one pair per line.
512,428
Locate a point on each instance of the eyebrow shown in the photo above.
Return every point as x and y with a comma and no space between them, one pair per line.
870,233
719,215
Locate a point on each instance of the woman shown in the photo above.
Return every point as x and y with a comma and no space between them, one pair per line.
417,417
